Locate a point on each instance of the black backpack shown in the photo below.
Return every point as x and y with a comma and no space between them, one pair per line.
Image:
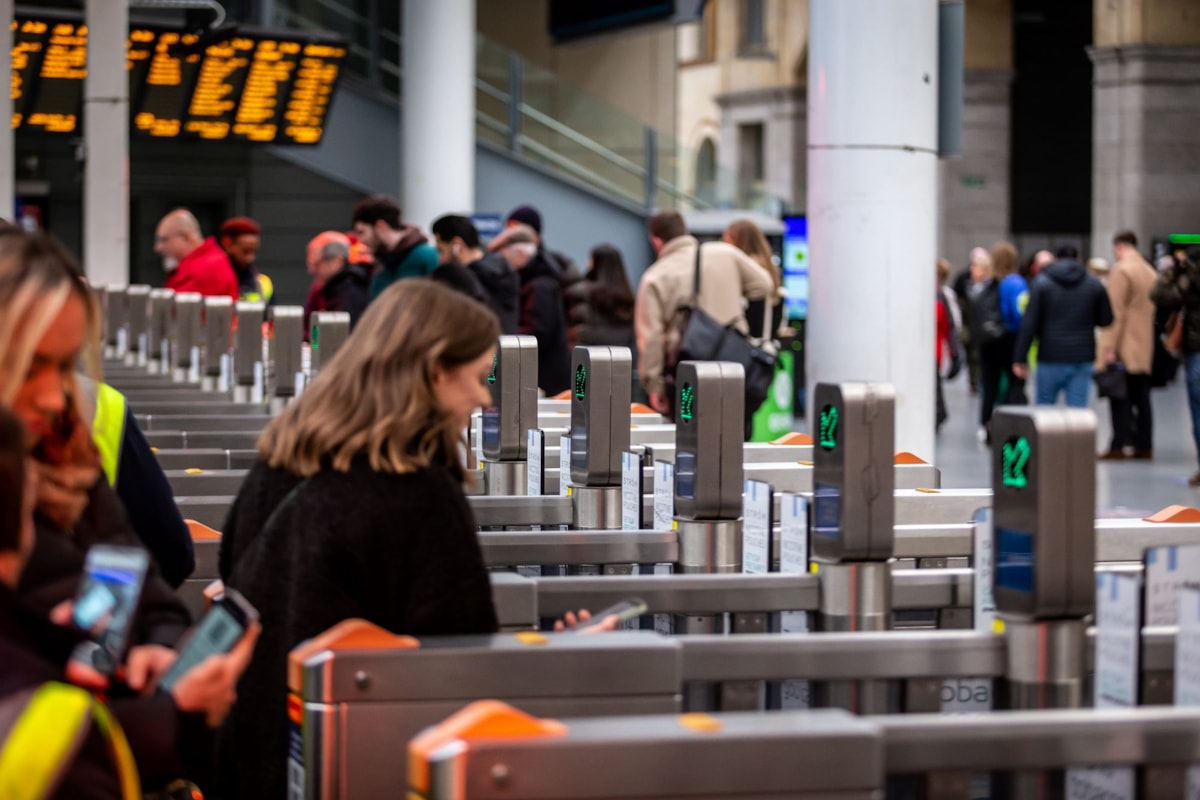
987,322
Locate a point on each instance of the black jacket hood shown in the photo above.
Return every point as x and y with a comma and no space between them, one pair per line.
1066,272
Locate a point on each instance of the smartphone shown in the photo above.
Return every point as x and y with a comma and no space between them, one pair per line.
624,610
217,633
107,603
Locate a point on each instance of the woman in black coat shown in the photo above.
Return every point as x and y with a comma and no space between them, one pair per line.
356,507
610,308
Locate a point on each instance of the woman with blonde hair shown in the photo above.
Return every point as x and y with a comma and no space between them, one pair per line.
356,508
48,322
748,237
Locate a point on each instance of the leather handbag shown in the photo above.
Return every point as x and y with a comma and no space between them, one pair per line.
1110,382
702,338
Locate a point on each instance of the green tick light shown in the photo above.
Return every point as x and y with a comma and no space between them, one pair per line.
1014,462
687,402
580,382
492,376
828,426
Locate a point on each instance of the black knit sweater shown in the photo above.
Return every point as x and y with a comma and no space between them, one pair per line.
398,550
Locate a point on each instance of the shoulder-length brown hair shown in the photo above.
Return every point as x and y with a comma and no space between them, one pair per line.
748,237
37,275
376,397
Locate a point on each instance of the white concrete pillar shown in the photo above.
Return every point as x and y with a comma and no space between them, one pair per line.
106,138
7,156
437,110
872,202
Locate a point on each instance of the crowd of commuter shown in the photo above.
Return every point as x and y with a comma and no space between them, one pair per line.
1123,326
376,439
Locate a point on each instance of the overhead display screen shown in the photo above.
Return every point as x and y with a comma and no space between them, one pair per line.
255,86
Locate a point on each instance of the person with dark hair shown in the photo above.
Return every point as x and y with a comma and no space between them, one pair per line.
728,277
240,238
486,277
1178,291
1129,341
574,291
1066,305
401,251
610,312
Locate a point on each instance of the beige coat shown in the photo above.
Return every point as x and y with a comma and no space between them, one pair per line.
1132,332
727,277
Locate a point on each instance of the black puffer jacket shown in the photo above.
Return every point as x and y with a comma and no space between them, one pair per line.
575,297
1066,305
1177,289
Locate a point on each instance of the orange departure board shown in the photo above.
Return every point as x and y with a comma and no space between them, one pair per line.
255,86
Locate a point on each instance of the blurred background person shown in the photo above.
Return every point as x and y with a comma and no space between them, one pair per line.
542,315
748,237
574,292
1178,290
610,307
193,263
344,286
1013,296
240,238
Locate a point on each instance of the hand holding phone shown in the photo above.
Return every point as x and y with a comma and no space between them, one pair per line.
226,622
622,611
107,603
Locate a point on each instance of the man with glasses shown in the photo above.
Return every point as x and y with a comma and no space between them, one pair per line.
193,263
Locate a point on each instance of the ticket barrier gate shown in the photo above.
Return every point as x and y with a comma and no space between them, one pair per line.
490,751
502,431
360,693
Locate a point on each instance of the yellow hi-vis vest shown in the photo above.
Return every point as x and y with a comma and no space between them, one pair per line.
107,407
41,731
266,290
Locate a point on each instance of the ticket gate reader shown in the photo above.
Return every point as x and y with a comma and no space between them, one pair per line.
513,412
116,322
218,322
489,752
286,338
602,379
248,353
1043,510
361,692
709,433
328,333
138,311
185,357
162,302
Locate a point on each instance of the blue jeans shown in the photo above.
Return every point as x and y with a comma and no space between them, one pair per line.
1074,379
1191,365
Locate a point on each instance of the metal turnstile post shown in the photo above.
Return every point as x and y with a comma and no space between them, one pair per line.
328,333
186,353
247,353
218,322
162,301
139,340
285,353
116,316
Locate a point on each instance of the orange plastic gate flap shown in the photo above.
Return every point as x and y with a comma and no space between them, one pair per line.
349,634
483,719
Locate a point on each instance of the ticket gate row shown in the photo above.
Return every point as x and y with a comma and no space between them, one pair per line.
490,751
357,680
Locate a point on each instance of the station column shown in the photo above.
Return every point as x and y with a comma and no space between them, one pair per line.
1146,129
437,110
106,136
872,202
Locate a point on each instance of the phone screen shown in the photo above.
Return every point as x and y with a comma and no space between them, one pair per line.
625,610
221,628
108,599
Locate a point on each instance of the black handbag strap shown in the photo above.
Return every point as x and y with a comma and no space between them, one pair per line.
696,278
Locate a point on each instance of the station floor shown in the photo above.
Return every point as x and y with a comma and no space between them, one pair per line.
1123,488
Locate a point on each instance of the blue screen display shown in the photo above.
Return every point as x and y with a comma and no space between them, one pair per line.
685,474
827,511
795,266
491,427
1014,560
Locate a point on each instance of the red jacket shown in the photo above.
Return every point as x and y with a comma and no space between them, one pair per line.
205,270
